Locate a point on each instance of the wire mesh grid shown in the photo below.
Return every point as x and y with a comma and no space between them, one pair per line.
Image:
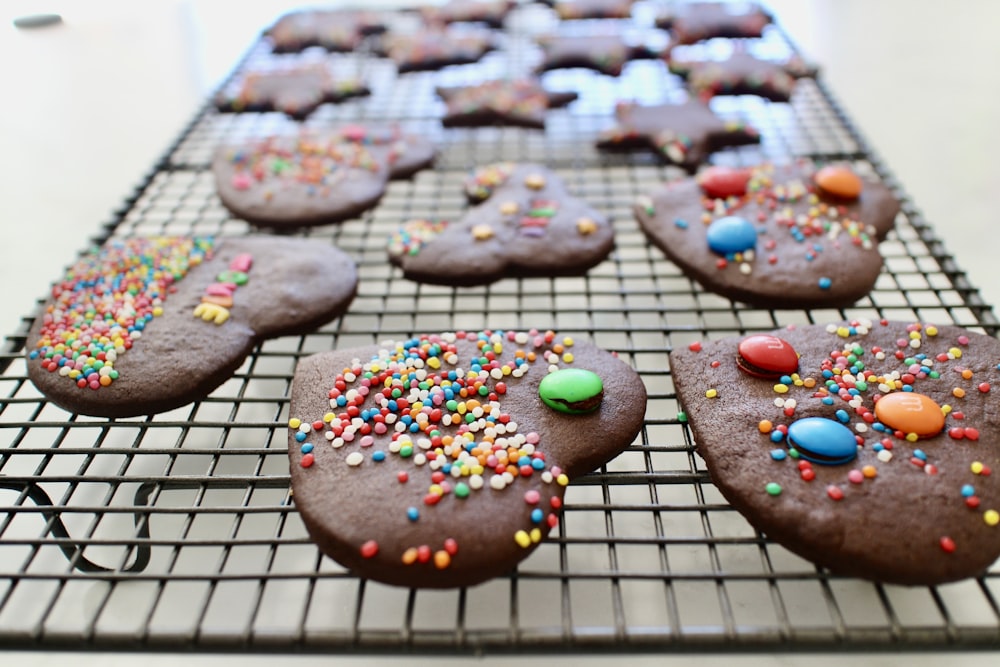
177,531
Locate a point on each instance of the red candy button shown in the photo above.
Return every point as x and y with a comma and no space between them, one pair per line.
839,181
766,356
910,412
722,182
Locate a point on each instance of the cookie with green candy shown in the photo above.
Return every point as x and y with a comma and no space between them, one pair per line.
436,461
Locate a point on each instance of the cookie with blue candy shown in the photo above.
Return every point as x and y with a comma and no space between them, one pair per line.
774,236
866,447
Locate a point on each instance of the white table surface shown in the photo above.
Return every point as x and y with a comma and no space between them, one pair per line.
88,106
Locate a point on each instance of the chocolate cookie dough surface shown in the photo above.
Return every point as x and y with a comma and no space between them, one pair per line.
605,53
336,30
435,48
529,226
144,325
296,91
874,455
315,178
515,102
788,236
684,134
438,462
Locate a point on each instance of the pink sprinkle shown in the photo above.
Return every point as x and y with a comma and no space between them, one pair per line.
532,438
532,497
963,340
348,436
221,289
380,428
556,471
855,477
353,132
367,441
241,262
241,181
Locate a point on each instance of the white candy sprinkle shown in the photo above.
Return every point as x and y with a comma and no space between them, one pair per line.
779,402
475,482
547,477
337,442
861,427
885,456
394,446
745,269
553,368
496,482
355,459
419,459
790,403
521,338
496,374
831,328
512,428
423,443
305,427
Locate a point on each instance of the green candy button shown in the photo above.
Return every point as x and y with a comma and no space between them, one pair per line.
572,390
235,277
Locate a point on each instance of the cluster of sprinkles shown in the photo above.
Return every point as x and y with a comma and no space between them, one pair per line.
520,98
218,296
885,405
794,208
413,400
104,302
295,91
317,164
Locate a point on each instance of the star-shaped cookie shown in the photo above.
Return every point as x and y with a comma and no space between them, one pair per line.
332,29
433,48
490,12
520,102
684,134
693,22
296,91
605,53
593,9
741,74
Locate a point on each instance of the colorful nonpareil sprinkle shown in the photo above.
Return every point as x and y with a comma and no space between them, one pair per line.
105,301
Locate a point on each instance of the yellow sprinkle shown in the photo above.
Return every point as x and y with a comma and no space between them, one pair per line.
911,437
781,388
567,358
843,332
329,417
157,311
523,539
482,232
991,517
809,383
955,352
931,330
562,480
711,393
536,535
914,334
976,467
945,409
434,362
436,490
958,392
294,422
567,341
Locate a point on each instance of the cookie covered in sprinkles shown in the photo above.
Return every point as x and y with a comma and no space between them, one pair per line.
773,236
144,325
437,461
874,458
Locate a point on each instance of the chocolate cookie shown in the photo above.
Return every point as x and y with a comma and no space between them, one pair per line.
684,134
697,21
871,453
517,102
490,12
146,325
741,74
441,461
773,236
296,91
435,48
593,9
604,53
336,30
315,179
530,226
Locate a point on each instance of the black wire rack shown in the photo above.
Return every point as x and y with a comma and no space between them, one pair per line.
177,531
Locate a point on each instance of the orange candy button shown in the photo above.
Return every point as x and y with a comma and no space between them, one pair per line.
839,182
911,413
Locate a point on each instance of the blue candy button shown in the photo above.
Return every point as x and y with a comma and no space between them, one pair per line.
823,441
731,234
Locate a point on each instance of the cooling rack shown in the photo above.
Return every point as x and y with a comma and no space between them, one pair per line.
177,531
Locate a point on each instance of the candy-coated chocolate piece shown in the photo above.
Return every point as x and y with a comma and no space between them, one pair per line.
822,441
910,412
839,181
723,182
731,234
572,390
766,356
